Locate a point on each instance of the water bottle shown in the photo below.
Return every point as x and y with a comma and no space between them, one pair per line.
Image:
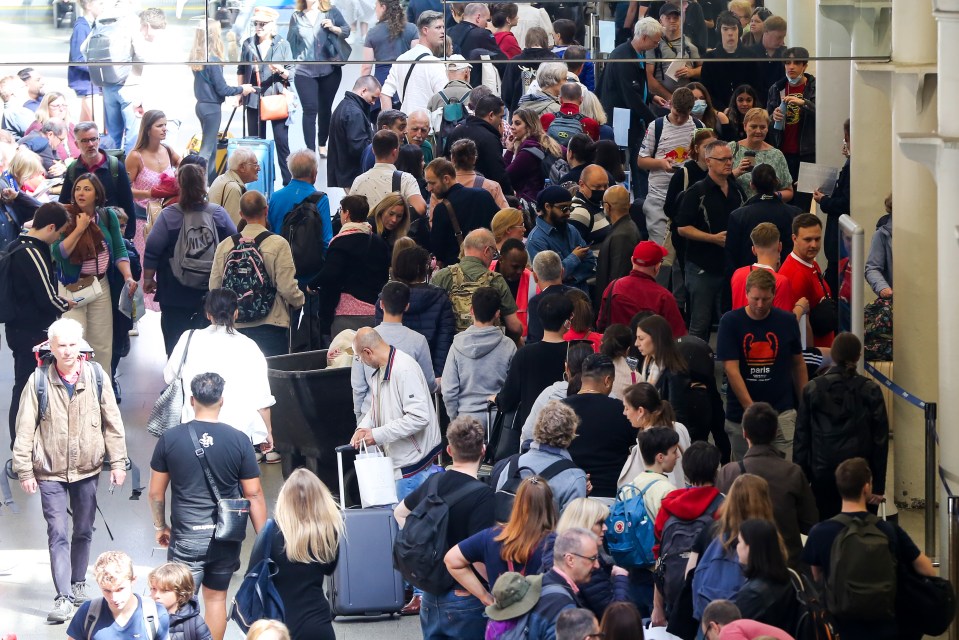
546,183
781,124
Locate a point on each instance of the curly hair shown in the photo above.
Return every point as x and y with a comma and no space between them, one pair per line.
394,17
556,425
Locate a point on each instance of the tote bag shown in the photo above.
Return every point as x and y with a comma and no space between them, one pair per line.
374,474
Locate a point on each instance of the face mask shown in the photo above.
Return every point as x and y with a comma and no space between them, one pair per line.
794,81
699,107
597,197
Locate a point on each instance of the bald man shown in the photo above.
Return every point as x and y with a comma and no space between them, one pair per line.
587,213
616,250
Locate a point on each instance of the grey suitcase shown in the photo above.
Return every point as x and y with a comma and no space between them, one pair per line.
364,582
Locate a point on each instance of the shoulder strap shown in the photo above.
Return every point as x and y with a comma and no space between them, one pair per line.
658,125
114,164
536,151
463,492
93,614
742,467
642,493
608,308
201,454
40,384
396,181
553,590
457,231
186,349
445,99
409,73
557,468
149,608
236,237
685,177
260,238
263,543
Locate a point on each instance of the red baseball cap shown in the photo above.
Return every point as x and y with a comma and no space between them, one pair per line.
647,254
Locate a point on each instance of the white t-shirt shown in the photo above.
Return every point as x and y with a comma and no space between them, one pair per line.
426,79
377,183
674,145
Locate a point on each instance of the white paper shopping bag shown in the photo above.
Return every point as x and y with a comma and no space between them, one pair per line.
374,475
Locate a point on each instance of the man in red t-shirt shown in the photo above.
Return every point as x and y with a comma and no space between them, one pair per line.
803,273
767,248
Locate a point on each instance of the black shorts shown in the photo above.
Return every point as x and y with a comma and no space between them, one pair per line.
211,562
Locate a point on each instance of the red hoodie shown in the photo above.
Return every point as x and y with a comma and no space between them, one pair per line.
687,504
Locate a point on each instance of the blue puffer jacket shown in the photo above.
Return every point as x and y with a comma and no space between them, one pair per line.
602,588
430,314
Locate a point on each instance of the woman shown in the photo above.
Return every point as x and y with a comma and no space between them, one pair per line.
506,224
615,343
743,99
607,583
742,9
580,153
704,110
463,156
221,349
505,16
527,146
879,261
27,171
257,68
150,160
768,595
317,33
210,89
663,366
621,621
610,157
516,545
54,105
182,302
410,160
88,244
388,39
391,219
756,122
645,409
268,630
570,385
754,32
309,528
581,323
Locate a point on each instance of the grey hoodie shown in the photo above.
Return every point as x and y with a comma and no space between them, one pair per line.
475,370
879,262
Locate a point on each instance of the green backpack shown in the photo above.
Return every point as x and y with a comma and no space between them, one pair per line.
461,295
862,571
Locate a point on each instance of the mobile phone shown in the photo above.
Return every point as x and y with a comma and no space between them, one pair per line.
80,299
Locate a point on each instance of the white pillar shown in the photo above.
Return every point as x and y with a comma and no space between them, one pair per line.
778,7
801,25
833,82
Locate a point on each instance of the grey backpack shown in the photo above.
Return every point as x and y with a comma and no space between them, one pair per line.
109,43
195,247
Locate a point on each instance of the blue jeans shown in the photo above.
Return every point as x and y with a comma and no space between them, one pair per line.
271,339
120,118
406,486
451,616
703,294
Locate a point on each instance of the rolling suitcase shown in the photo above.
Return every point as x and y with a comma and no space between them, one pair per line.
265,152
364,582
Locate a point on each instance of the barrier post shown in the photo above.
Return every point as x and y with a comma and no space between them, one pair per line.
953,506
931,466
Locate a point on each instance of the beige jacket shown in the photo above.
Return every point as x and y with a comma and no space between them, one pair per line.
226,191
71,439
278,259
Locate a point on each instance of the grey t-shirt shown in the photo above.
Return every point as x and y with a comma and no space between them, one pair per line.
386,48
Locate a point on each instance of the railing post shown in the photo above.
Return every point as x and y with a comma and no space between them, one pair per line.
931,466
953,533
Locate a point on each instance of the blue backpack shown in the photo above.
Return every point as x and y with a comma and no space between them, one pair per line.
718,577
257,598
630,528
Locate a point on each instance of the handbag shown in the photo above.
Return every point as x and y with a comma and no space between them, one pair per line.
257,598
824,318
272,107
85,295
336,48
154,207
374,475
168,407
232,514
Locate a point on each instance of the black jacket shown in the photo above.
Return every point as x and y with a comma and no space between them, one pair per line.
615,259
513,74
489,149
769,602
188,624
602,589
34,285
350,132
723,72
742,221
842,415
472,42
834,206
807,116
474,209
623,84
38,143
357,264
767,72
431,314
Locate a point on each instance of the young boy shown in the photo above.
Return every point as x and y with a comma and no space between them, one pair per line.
172,585
120,613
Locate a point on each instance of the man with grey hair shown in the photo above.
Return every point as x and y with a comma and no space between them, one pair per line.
544,98
45,143
67,424
412,83
242,168
548,273
577,624
303,169
418,133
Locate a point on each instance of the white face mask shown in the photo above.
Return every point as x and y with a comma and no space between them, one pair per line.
699,107
794,81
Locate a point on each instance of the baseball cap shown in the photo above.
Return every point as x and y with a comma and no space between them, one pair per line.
456,62
648,254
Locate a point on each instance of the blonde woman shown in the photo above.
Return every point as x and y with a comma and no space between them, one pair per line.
753,151
210,88
305,544
268,630
27,170
391,219
54,105
527,147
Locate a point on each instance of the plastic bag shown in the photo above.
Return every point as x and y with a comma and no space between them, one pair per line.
132,308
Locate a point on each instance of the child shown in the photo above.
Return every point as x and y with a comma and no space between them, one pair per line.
172,586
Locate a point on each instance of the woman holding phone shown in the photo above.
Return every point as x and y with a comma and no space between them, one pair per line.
754,151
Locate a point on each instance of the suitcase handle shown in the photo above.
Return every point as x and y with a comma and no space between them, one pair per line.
340,450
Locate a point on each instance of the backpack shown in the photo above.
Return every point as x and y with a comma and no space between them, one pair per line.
245,274
629,535
453,112
8,304
303,229
675,545
519,627
553,167
718,577
76,168
109,43
257,597
862,571
420,545
461,295
877,330
527,75
148,607
195,248
565,126
506,494
814,621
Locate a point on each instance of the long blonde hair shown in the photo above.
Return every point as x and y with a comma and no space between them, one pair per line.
582,513
534,130
387,203
43,111
309,518
200,49
748,498
322,5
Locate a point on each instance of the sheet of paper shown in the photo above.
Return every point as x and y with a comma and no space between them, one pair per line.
607,36
816,176
673,67
621,126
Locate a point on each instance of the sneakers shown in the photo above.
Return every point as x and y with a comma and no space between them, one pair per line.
79,592
271,457
62,610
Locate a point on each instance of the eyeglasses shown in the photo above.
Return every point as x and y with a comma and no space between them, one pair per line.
565,208
55,105
519,226
590,558
257,23
252,164
88,140
723,160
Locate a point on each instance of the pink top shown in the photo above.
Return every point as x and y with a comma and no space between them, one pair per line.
749,629
147,179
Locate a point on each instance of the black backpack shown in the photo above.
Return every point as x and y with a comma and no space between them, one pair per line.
8,305
676,543
303,229
813,622
505,495
421,544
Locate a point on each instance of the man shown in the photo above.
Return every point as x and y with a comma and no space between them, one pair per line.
569,119
228,188
772,50
575,555
404,423
660,156
110,171
414,84
16,118
59,449
638,291
394,300
577,624
794,132
805,276
303,169
34,83
177,463
553,232
702,220
455,613
854,482
794,507
45,142
389,120
766,248
478,360
471,38
548,273
350,132
765,206
485,128
722,619
457,89
834,206
587,214
511,264
826,433
613,259
384,178
270,333
674,45
722,71
35,296
478,248
761,353
459,210
418,132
